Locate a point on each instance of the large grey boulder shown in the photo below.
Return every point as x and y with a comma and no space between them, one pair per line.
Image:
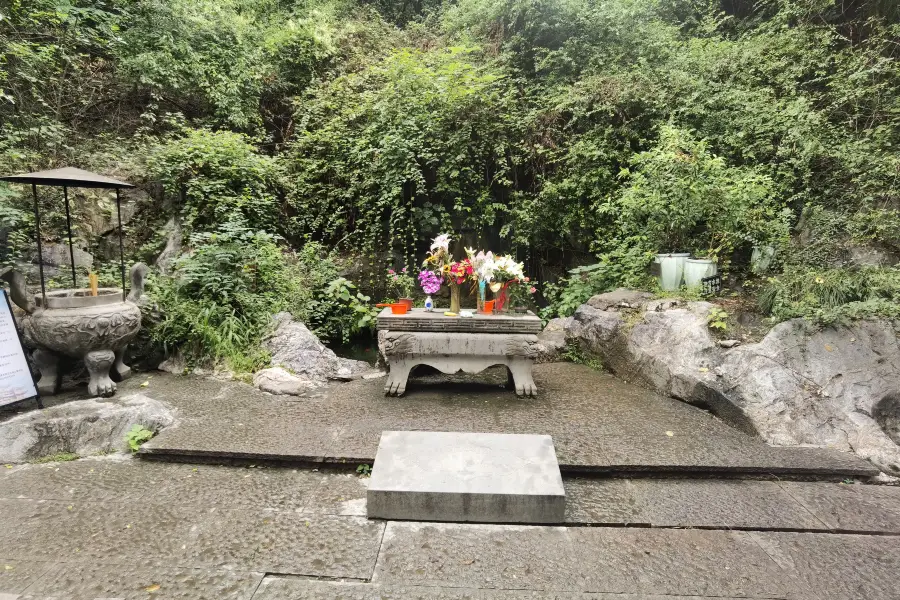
802,385
81,427
299,353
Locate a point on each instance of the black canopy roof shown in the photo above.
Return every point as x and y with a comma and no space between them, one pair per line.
68,176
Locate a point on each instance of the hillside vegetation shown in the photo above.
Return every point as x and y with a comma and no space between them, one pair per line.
288,151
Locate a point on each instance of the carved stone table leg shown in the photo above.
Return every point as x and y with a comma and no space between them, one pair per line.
454,352
48,364
120,371
98,363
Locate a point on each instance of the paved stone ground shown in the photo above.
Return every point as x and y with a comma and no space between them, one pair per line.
598,423
121,527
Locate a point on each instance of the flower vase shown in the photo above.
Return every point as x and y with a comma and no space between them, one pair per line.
429,304
454,298
501,302
481,293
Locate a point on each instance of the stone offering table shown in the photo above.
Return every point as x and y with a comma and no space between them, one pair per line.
454,344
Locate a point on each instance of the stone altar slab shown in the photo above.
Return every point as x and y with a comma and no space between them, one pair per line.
466,477
454,344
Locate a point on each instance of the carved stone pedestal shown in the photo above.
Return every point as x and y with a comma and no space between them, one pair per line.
453,344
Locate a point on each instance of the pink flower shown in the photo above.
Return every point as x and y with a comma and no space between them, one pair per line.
532,290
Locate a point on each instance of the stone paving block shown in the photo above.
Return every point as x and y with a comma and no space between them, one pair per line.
17,575
128,480
473,477
602,501
720,504
155,535
130,582
281,542
858,508
281,588
339,494
607,560
837,566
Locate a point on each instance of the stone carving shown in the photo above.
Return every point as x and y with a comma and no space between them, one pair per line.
398,344
96,329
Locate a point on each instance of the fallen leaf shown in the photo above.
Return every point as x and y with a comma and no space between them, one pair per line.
468,562
703,369
145,384
8,567
152,588
829,348
70,507
307,523
670,433
8,466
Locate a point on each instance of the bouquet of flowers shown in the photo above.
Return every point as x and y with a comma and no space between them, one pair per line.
458,272
430,282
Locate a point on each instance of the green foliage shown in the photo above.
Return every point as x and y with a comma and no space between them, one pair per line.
138,435
681,197
61,457
832,295
364,470
628,268
340,312
573,353
217,177
392,152
717,319
220,301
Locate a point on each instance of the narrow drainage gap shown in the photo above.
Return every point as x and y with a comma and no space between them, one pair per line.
301,577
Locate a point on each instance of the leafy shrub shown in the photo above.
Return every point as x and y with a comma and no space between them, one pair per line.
832,295
216,177
681,197
623,268
340,312
222,295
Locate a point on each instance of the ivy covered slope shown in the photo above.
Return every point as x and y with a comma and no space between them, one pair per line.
288,152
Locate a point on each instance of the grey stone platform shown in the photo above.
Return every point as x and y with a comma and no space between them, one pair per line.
599,424
466,477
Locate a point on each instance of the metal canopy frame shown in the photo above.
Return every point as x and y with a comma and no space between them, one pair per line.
70,177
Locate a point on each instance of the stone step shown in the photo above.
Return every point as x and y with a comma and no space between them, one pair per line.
466,477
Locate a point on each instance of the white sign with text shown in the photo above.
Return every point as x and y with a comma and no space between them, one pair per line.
16,382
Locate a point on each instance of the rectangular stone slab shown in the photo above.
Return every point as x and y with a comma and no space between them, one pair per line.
466,477
418,319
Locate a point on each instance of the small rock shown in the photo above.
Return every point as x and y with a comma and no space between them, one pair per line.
279,381
728,343
374,375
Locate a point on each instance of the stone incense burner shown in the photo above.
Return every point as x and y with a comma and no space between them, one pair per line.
96,329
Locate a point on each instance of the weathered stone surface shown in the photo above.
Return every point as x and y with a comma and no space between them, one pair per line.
57,255
276,380
721,504
296,349
807,386
837,567
607,560
285,588
82,427
619,298
133,582
17,575
597,422
552,340
466,477
191,535
845,507
800,386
